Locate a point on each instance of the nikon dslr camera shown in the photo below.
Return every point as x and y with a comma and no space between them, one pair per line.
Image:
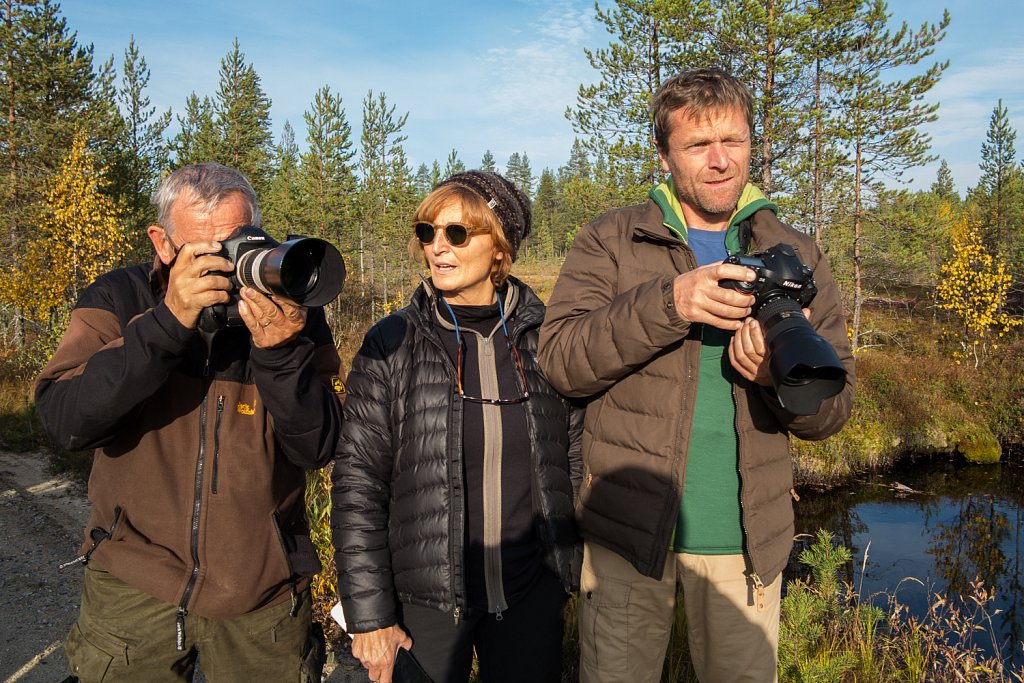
804,368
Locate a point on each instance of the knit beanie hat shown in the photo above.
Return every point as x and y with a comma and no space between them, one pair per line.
508,203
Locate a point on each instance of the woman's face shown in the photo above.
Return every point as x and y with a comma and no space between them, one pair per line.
462,274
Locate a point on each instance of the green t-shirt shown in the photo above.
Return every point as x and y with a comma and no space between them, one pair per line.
709,514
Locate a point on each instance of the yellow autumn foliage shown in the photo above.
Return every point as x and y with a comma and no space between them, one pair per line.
80,235
973,287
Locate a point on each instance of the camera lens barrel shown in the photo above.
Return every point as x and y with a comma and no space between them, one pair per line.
804,367
307,270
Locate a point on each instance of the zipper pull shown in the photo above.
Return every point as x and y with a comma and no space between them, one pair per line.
457,613
497,615
84,559
759,591
179,642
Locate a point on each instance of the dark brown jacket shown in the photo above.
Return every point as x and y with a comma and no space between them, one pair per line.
199,471
612,334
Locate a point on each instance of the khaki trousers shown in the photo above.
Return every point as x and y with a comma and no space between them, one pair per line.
626,619
123,634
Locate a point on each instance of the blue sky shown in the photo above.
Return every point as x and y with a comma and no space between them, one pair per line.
493,75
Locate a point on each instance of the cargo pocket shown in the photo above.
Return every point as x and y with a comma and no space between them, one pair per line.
603,624
93,655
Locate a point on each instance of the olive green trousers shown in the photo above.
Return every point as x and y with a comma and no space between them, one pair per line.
123,634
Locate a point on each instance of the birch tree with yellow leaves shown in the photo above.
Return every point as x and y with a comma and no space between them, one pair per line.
80,236
972,288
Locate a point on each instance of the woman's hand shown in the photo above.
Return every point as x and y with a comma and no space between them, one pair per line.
376,650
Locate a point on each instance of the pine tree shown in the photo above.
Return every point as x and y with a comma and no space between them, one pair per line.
487,163
143,151
242,115
883,116
46,90
578,165
423,181
999,185
545,213
378,219
652,40
944,187
328,176
281,205
518,172
453,164
765,44
198,140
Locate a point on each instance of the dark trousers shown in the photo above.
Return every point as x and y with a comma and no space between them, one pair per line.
123,634
525,645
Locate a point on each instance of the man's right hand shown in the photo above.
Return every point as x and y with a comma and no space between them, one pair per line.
190,288
377,649
700,299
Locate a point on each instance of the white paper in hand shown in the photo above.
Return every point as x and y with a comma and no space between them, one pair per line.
339,616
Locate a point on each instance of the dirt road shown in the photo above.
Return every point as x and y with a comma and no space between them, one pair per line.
41,522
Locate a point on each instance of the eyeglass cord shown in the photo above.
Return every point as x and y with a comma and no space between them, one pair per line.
501,315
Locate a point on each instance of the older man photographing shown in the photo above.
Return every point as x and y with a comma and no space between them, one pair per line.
198,541
687,472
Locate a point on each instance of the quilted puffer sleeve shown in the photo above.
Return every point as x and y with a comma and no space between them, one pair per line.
361,490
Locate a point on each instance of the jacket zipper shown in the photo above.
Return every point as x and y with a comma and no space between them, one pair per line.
491,415
216,445
196,509
84,557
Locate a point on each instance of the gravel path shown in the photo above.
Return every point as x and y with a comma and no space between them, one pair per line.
41,522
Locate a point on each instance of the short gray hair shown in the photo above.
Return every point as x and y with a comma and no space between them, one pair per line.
205,186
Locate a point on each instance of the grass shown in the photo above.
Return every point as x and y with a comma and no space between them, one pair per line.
830,633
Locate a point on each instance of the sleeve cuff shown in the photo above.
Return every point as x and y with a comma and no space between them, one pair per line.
176,332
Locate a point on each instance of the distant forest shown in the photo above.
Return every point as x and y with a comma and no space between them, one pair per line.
839,87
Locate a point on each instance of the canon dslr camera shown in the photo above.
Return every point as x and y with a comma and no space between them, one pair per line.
307,270
804,367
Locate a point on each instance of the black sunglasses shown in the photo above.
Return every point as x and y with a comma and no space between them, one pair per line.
456,234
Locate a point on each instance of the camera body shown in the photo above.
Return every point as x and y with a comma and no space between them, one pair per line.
780,273
308,271
804,367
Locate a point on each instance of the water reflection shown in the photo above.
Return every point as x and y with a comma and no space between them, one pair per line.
939,521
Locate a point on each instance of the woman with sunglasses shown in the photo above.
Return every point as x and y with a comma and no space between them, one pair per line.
458,464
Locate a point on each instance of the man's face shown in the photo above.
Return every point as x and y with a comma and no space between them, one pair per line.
709,159
191,224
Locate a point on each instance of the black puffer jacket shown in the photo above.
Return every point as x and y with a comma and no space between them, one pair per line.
398,495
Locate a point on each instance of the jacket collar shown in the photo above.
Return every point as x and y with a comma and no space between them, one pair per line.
523,309
738,234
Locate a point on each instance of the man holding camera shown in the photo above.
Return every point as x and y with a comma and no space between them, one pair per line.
198,540
688,479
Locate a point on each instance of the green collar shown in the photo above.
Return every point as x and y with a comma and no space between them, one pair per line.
750,201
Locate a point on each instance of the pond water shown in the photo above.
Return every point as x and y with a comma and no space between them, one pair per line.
960,522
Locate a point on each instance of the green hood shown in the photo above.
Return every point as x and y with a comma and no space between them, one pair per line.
751,200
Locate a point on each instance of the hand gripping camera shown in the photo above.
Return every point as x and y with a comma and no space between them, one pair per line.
804,367
307,270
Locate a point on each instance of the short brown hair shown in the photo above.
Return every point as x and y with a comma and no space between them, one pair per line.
702,91
475,213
